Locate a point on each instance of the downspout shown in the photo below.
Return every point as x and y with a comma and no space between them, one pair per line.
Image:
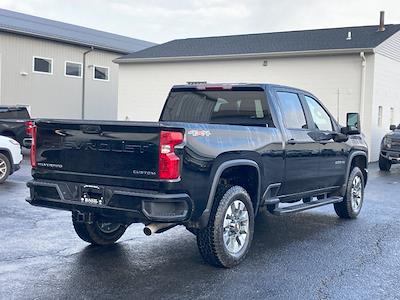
84,79
362,91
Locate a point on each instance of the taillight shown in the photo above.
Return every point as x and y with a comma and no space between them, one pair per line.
33,146
168,160
28,127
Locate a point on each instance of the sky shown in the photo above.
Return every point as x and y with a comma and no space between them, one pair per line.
161,21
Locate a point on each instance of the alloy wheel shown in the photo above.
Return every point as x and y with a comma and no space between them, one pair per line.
236,227
356,194
3,168
108,227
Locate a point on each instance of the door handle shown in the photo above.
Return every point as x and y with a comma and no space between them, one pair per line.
91,129
291,142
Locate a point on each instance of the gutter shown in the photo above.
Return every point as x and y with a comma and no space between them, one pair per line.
362,88
123,60
84,79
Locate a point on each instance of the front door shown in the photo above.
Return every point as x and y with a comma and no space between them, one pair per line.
333,155
302,152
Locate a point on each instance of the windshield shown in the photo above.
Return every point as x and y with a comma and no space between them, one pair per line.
14,113
218,107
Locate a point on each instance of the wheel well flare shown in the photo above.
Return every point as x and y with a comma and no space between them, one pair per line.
244,176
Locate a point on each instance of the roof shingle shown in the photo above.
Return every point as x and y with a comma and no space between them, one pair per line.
11,21
365,37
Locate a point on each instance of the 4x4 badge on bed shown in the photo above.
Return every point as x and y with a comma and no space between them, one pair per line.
195,132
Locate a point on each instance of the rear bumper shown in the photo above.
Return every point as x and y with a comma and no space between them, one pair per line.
122,204
393,156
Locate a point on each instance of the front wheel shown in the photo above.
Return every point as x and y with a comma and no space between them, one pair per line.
384,164
99,232
353,200
227,238
5,167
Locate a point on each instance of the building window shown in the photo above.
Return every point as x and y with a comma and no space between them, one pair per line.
42,65
392,116
73,69
101,73
380,113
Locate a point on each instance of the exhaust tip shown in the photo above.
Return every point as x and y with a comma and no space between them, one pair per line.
147,231
157,228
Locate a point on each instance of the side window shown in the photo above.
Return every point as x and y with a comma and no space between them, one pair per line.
73,69
101,73
42,65
320,117
293,113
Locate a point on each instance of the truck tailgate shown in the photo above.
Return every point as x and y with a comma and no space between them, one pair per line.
122,149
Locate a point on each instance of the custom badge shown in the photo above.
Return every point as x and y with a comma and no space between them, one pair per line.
195,132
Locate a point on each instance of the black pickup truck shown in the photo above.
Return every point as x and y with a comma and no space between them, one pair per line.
16,123
390,149
219,155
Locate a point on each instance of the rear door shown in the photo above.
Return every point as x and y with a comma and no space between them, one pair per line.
302,152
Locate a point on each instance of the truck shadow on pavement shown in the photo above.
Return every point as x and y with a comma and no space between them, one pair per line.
172,265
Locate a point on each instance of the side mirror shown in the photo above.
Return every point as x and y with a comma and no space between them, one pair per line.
392,127
340,138
353,125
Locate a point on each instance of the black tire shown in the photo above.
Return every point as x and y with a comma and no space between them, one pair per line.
194,231
5,168
346,209
384,164
210,240
93,234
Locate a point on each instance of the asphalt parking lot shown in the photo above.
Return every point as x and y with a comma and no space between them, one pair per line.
310,255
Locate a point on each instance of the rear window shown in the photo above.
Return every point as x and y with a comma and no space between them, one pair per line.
218,107
14,113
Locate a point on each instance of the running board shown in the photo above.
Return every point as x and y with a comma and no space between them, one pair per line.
304,206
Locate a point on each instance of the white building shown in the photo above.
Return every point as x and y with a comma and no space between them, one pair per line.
54,67
355,69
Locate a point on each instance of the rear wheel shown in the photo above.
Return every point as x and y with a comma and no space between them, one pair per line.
384,164
226,240
5,167
99,232
353,200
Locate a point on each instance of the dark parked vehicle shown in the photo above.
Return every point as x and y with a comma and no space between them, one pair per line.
390,149
16,123
216,158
